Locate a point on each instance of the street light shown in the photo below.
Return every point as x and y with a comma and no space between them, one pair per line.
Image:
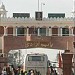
41,5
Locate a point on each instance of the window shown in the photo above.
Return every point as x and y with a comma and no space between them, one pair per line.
65,32
54,31
35,58
20,31
33,30
43,31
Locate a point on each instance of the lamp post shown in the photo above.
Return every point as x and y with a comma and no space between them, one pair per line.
41,5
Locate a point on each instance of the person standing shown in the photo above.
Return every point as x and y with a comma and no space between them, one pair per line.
29,73
4,72
0,70
32,72
55,73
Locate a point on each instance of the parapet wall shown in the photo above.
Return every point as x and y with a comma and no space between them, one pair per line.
48,22
33,19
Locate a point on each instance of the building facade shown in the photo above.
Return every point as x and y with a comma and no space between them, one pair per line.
55,33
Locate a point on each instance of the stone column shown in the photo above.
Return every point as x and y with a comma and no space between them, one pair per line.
70,31
27,30
5,30
38,31
50,31
60,31
47,31
14,31
67,63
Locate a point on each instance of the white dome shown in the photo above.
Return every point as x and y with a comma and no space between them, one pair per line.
2,6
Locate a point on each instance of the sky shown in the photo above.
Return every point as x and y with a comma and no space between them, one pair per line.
51,53
30,6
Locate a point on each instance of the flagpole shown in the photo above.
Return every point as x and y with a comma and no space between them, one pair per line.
38,5
74,37
41,5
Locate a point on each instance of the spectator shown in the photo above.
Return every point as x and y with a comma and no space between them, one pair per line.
32,72
4,72
55,73
29,73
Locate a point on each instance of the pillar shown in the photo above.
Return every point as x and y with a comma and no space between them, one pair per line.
50,31
5,30
27,30
72,31
38,31
60,31
67,62
47,31
14,31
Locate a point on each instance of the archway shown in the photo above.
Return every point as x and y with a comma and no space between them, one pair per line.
53,42
51,53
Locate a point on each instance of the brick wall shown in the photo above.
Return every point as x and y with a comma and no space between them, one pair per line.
19,42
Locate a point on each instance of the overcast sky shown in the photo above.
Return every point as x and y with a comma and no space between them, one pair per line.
51,53
30,6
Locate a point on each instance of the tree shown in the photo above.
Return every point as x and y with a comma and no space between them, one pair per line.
15,58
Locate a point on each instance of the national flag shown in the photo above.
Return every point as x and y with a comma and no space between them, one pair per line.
59,60
49,71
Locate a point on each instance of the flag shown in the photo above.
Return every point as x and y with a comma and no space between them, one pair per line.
49,71
28,38
59,60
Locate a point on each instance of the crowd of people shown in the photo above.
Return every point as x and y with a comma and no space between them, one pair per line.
51,71
19,71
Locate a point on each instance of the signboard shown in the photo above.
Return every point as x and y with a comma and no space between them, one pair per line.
38,15
21,15
44,44
56,15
